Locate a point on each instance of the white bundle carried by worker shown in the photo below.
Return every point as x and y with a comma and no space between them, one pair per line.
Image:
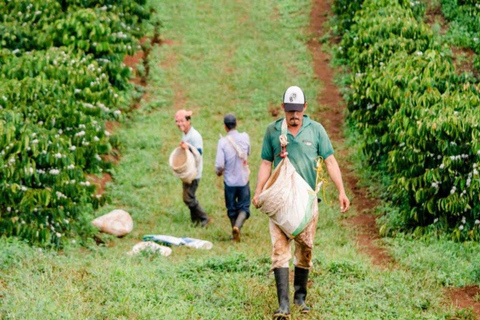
184,163
287,198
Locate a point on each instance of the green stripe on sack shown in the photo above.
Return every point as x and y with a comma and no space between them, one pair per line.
308,216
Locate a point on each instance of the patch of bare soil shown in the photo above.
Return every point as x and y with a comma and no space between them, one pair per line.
100,182
465,297
463,60
332,118
111,126
142,56
433,15
132,62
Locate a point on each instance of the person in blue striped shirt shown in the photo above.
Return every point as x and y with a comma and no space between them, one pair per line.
231,161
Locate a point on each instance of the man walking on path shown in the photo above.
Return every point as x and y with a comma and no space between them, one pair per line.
307,139
191,138
231,161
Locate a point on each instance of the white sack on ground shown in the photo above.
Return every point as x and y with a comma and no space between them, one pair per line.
175,241
197,243
151,247
288,199
184,163
117,222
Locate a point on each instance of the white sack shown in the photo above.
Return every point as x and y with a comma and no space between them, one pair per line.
197,243
151,247
288,199
175,241
184,163
117,222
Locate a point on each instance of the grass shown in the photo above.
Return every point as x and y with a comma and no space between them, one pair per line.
223,56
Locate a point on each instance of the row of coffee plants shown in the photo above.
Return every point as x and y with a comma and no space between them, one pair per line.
464,25
419,119
63,77
345,11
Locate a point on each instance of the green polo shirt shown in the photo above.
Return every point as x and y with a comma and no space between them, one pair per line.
311,141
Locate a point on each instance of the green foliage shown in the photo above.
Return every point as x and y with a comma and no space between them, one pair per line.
464,29
348,13
15,16
347,270
438,175
455,264
61,80
94,31
419,120
379,93
132,13
345,11
380,33
231,264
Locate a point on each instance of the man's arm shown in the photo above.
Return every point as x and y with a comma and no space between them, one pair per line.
263,175
336,176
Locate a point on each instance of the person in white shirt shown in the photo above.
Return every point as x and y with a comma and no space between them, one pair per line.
192,137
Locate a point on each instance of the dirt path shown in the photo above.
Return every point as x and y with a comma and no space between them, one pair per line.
332,117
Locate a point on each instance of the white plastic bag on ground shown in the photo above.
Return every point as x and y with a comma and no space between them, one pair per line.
184,163
174,241
152,247
197,243
288,199
164,239
117,222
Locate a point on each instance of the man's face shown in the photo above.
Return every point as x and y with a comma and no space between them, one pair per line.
182,123
294,118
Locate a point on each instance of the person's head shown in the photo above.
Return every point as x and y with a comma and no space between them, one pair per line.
294,104
182,120
230,122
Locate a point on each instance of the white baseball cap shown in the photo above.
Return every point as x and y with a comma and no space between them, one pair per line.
294,99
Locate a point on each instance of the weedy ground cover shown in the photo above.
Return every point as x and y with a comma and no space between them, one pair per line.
222,56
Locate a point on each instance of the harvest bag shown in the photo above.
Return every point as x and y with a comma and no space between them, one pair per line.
240,154
287,198
184,163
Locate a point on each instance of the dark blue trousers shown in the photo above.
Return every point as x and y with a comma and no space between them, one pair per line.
237,199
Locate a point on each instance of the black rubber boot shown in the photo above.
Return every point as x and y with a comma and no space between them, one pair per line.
193,215
300,286
199,216
242,216
281,279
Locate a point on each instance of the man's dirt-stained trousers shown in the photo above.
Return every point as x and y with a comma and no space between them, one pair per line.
281,253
